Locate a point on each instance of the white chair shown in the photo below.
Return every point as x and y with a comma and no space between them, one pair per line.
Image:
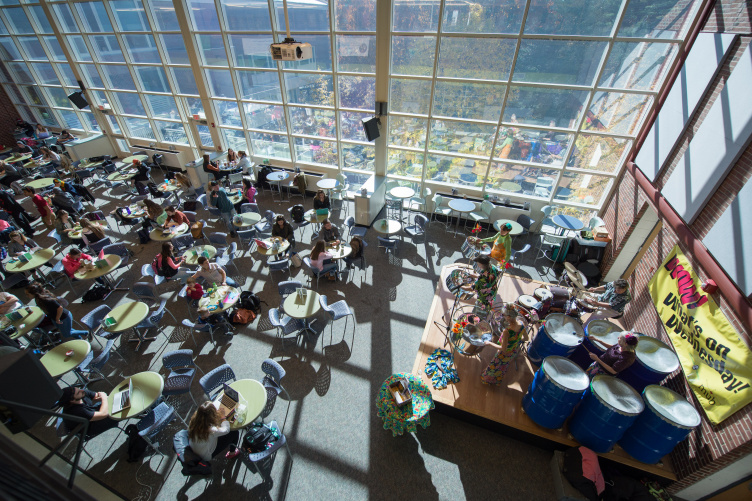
419,201
440,210
543,186
484,214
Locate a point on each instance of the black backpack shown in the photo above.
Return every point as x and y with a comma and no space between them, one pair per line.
96,293
297,213
250,301
136,443
153,190
263,173
257,438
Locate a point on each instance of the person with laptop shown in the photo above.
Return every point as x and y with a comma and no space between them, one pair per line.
88,405
60,317
209,433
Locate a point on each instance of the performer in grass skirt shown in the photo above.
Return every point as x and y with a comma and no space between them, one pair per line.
508,345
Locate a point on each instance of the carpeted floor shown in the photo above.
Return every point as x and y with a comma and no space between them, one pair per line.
339,447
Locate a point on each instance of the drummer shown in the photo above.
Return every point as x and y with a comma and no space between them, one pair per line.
502,244
617,357
612,300
486,283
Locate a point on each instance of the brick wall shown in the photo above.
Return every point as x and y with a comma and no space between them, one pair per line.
710,447
8,117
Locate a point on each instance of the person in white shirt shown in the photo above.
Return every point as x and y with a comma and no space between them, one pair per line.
213,273
243,161
209,433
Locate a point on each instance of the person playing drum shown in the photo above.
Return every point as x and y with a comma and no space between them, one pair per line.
486,283
612,300
508,344
502,244
617,357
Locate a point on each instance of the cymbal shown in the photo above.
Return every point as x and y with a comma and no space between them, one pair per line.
569,267
574,278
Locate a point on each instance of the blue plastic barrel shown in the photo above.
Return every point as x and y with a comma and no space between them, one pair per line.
559,335
600,330
654,361
557,387
607,410
667,420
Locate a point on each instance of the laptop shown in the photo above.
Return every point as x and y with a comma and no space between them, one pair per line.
227,402
122,400
322,212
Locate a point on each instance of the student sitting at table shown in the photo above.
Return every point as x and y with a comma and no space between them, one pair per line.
42,132
185,184
63,200
154,213
73,261
249,191
329,232
49,156
8,174
212,168
91,232
193,289
64,225
209,433
65,137
321,201
42,206
283,229
8,303
212,273
88,405
20,244
23,148
175,217
357,251
143,172
231,156
60,317
244,162
167,265
319,256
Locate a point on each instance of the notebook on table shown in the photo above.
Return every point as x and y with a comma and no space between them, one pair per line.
122,400
322,212
101,262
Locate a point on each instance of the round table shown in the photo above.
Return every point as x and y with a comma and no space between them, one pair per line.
127,316
122,176
175,231
89,165
339,252
246,219
235,196
58,363
510,186
284,245
38,258
77,233
27,322
254,395
516,227
22,158
191,255
314,218
402,193
304,307
130,159
567,223
277,178
387,226
136,212
39,184
147,388
113,261
217,299
460,206
401,419
167,188
327,183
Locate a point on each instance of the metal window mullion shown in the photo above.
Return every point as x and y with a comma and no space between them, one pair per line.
335,87
282,83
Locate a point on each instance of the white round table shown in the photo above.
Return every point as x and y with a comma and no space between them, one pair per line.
277,178
327,184
460,206
402,192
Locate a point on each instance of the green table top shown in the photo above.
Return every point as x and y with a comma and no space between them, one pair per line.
147,388
167,187
89,165
221,293
387,226
127,315
129,160
306,307
22,158
38,258
28,322
122,175
58,363
254,395
38,184
158,235
516,227
191,255
235,196
246,219
113,261
312,217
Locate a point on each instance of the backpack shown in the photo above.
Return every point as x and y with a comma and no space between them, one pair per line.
250,301
153,190
96,293
243,316
190,205
155,264
258,438
297,213
193,464
143,236
197,230
261,180
136,443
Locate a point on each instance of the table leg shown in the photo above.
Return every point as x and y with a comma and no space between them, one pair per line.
141,339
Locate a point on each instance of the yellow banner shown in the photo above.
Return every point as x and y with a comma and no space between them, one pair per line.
717,364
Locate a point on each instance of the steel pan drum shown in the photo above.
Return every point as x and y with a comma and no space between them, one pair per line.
526,301
471,250
475,336
654,361
667,420
557,387
560,335
541,293
455,280
601,330
608,409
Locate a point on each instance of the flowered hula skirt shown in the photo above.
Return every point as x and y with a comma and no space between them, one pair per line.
497,369
499,253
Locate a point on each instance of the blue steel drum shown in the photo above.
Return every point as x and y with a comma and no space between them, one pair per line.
601,330
560,335
654,361
666,421
557,387
609,407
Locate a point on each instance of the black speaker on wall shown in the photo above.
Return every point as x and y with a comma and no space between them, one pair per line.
371,128
79,100
23,379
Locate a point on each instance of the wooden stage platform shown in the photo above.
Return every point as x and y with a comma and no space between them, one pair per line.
501,404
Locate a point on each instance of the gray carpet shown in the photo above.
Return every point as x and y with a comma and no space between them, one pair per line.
339,447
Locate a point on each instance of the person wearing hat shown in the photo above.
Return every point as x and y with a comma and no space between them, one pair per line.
502,244
486,283
88,405
612,300
509,341
617,357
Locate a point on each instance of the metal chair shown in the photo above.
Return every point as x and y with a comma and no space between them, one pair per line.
183,242
190,215
97,246
526,222
218,238
214,379
94,365
389,245
247,236
265,225
418,228
201,199
182,371
118,249
153,321
354,231
280,265
440,210
393,208
93,320
484,214
228,256
148,271
553,241
287,288
197,327
147,293
263,456
517,253
338,310
286,325
249,207
315,271
419,201
154,422
595,222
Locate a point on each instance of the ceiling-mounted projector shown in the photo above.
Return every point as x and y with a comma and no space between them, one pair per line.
290,50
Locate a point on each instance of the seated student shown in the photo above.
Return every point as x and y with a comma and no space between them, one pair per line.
8,303
65,137
49,156
329,232
283,229
74,260
185,184
64,225
357,251
143,172
91,232
54,311
42,132
212,273
231,155
209,433
19,244
175,217
321,201
319,255
167,265
244,162
62,200
8,174
88,405
23,148
5,230
154,212
212,168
